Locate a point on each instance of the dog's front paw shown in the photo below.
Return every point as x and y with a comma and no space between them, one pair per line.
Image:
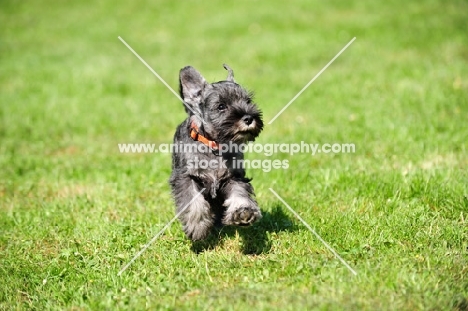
242,216
197,231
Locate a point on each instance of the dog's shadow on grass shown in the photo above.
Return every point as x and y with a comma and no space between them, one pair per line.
255,240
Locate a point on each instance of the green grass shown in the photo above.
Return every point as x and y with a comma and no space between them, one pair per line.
74,211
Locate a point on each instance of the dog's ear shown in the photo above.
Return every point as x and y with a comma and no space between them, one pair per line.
230,76
191,84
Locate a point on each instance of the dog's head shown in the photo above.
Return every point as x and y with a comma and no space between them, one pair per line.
224,110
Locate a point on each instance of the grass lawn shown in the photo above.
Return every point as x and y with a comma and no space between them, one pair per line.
74,210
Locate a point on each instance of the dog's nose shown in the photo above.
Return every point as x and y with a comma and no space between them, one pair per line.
248,119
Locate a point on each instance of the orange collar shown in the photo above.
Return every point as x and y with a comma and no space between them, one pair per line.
199,137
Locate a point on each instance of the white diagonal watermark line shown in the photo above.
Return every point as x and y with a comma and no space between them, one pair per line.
151,69
159,77
315,233
159,233
311,81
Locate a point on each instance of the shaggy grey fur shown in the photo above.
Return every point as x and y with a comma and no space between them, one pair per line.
224,112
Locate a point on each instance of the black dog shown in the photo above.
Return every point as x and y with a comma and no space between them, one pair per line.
206,155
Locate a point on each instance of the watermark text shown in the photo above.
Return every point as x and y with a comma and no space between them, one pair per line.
265,149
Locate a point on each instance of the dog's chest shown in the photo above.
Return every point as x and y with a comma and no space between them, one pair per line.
220,169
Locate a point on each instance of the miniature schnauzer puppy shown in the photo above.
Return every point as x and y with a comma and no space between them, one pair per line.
219,114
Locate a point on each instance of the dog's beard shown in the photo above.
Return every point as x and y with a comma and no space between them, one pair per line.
242,127
243,137
245,133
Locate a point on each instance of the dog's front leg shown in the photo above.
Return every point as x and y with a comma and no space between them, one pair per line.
196,217
242,209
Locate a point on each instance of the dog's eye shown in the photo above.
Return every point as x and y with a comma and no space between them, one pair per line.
222,107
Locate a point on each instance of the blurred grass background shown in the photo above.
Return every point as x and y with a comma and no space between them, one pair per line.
73,210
